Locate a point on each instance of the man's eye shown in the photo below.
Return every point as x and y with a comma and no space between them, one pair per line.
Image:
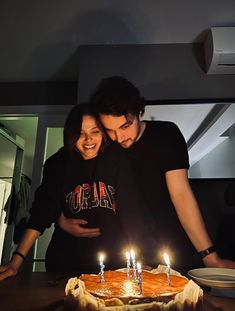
125,126
96,132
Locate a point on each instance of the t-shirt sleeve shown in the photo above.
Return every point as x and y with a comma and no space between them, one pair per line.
46,205
175,153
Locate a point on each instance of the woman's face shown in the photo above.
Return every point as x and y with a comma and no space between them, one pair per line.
90,138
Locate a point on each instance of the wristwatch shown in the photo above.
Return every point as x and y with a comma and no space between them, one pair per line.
207,251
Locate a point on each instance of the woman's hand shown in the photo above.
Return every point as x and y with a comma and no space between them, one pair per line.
7,271
214,261
74,227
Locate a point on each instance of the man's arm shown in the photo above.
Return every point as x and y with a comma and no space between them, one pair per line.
190,216
74,227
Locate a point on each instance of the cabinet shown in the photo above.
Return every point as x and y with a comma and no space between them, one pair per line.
11,160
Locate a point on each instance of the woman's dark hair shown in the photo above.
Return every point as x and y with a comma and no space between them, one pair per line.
73,125
117,96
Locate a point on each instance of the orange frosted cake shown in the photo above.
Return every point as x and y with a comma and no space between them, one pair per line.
118,292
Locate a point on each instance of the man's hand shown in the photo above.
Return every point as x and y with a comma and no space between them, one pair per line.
74,227
214,261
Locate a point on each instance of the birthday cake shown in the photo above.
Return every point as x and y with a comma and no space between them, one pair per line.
120,293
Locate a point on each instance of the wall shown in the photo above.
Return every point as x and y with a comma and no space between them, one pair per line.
35,93
210,197
54,140
162,72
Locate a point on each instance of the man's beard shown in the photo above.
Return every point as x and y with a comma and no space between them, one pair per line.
127,143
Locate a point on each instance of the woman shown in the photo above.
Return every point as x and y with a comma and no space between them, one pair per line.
86,179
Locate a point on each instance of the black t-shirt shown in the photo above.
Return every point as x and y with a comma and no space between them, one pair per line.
160,149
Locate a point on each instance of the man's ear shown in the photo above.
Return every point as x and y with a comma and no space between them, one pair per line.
141,113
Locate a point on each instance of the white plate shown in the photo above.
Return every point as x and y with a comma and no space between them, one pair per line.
214,277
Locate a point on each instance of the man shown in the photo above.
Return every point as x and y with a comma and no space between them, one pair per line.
159,159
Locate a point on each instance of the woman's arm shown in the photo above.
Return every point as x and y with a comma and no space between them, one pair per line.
190,216
27,241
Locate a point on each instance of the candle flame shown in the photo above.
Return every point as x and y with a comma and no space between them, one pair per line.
132,254
128,255
138,265
101,257
167,259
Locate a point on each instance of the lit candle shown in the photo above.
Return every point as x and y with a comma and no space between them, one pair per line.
128,264
139,269
133,264
167,261
102,266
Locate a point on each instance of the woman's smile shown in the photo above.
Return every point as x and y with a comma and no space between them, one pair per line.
90,138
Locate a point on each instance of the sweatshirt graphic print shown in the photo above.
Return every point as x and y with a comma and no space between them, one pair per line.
88,196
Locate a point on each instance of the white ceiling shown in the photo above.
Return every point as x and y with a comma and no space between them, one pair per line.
40,40
187,117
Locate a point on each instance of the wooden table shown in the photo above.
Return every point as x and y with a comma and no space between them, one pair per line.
32,292
36,292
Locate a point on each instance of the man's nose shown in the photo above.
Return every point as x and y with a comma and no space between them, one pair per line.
119,137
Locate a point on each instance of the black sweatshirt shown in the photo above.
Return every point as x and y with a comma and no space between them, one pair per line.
100,190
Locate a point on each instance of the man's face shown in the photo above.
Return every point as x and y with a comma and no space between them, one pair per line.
123,129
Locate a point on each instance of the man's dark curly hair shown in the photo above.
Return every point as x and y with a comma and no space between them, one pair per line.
117,96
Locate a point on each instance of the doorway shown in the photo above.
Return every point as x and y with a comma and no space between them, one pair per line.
33,126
